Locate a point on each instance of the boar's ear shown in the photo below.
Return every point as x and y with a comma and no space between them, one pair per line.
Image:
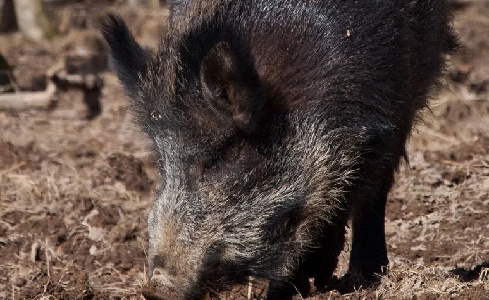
230,82
126,57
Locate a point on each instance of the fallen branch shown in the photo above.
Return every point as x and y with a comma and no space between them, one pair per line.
27,100
84,81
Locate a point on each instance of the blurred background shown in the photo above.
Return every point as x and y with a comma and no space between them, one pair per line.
76,176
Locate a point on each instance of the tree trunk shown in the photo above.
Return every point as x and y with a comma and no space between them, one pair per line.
32,20
7,16
7,83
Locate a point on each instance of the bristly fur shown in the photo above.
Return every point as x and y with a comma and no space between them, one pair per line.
274,123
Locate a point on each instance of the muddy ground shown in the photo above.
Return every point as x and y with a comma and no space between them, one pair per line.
75,192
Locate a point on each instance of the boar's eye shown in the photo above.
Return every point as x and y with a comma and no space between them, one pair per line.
155,115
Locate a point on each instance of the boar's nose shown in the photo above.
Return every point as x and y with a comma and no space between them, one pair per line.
155,262
158,270
155,290
160,285
162,277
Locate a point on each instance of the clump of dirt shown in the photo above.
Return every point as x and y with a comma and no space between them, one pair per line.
79,288
24,156
130,170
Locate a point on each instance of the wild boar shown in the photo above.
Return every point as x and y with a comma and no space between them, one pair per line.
274,123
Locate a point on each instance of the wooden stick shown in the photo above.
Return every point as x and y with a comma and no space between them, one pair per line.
27,100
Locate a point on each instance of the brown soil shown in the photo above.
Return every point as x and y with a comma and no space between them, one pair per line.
74,193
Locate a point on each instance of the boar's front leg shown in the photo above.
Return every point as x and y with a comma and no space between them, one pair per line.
322,262
368,251
368,255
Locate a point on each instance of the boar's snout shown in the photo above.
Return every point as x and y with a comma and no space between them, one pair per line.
156,266
160,285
